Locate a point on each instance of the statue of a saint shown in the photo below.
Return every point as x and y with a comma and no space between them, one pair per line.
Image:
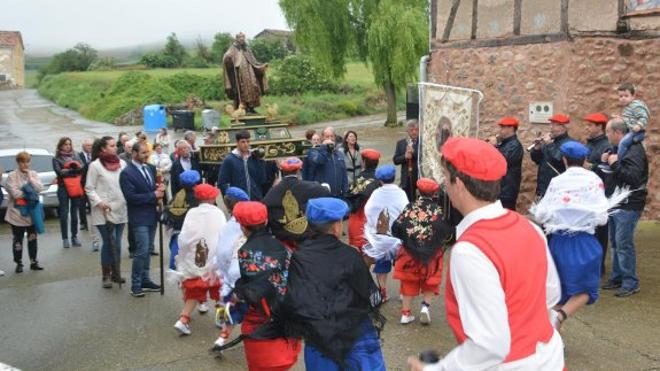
245,78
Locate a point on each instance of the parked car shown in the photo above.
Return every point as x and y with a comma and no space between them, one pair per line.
42,163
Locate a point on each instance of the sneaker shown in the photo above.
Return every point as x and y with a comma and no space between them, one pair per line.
137,294
66,244
183,328
425,315
95,246
220,342
19,268
75,241
406,318
611,285
150,287
153,253
624,292
2,273
36,267
202,308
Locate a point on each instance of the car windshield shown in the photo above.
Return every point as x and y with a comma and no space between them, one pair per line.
40,163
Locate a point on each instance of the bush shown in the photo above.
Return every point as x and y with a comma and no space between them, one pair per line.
79,58
297,75
158,60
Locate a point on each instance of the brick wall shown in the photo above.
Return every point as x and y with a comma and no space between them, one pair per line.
578,76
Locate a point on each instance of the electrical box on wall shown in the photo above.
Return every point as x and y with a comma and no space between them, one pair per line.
540,112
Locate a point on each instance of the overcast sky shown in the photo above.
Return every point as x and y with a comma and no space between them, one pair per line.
54,25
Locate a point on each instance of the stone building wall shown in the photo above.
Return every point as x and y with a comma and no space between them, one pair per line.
578,76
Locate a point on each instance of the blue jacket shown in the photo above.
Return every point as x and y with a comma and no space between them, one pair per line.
249,175
329,168
34,208
140,197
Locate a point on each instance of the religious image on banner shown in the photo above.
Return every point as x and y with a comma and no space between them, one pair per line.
444,111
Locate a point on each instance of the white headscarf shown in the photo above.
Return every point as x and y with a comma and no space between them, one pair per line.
392,199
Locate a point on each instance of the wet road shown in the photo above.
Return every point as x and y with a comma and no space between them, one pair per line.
61,319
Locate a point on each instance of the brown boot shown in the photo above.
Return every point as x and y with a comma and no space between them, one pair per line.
107,284
116,276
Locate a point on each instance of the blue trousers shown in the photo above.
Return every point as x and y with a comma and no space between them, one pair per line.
144,241
622,238
365,354
107,257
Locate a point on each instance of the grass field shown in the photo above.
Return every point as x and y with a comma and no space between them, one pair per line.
106,95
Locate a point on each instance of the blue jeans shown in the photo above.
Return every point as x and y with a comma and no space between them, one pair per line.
144,240
174,249
67,206
628,140
107,255
622,234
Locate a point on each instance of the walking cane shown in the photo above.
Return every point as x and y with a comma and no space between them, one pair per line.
159,181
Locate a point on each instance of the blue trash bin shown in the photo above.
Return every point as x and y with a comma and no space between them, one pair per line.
155,117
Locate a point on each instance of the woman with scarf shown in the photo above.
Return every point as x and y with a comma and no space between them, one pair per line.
351,150
67,164
107,205
18,181
423,234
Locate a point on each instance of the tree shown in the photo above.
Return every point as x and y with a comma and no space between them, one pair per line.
202,51
395,43
265,50
221,42
175,50
78,58
390,35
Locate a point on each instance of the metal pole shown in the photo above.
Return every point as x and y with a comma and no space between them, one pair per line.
160,252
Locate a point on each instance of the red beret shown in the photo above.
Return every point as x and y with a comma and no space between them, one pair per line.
596,118
249,213
291,164
427,185
371,154
560,119
475,158
206,192
508,121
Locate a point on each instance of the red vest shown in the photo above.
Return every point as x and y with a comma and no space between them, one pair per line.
518,253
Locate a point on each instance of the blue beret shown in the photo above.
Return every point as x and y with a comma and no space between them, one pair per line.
189,178
237,194
386,173
574,150
325,210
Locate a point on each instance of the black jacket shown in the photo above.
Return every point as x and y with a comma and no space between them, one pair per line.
248,175
632,171
176,170
400,159
597,146
85,164
330,293
286,213
547,158
365,184
512,151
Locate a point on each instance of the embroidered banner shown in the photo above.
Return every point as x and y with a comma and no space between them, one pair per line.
444,111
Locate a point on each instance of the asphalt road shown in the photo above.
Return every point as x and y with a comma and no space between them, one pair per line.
61,318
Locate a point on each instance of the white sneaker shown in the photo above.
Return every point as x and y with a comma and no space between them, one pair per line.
2,273
203,308
183,328
424,315
407,318
220,342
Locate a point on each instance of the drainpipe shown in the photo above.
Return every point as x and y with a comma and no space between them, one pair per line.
423,64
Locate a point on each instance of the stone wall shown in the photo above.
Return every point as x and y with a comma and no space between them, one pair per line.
578,76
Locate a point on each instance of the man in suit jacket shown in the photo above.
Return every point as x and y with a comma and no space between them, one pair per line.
406,156
142,194
184,162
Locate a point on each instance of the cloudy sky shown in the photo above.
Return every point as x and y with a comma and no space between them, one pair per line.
49,25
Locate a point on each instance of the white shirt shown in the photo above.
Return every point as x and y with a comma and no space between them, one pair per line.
393,199
483,310
186,164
